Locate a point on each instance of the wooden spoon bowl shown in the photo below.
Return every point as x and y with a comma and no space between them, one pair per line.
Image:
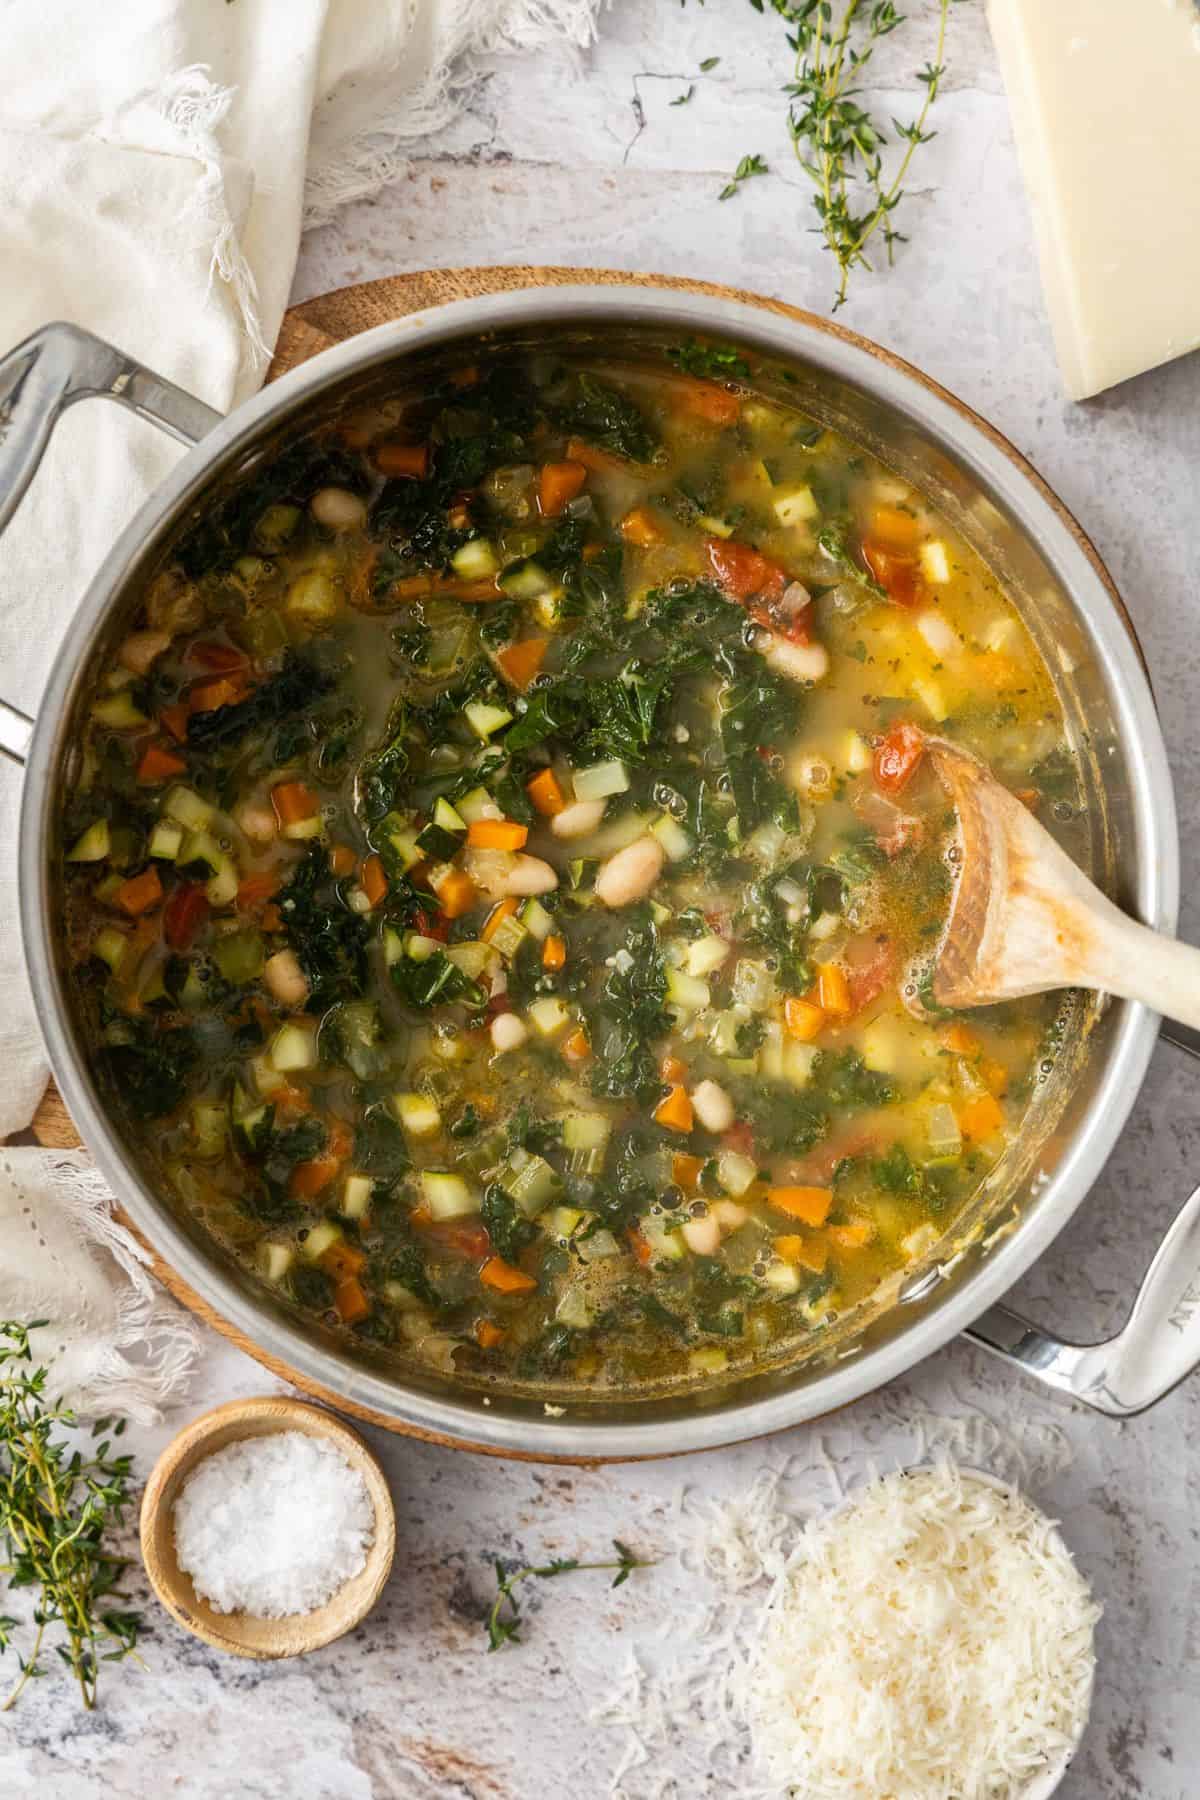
242,1634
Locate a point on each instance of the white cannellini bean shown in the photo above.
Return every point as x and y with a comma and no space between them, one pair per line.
501,873
796,662
142,648
631,873
337,508
285,978
712,1106
257,820
508,1031
578,819
703,1236
941,637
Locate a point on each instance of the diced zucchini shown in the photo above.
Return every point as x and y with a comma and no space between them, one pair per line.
274,1260
706,955
673,838
930,694
267,1078
416,947
601,781
536,920
106,891
166,839
356,1196
118,712
476,805
239,956
530,1181
586,1131
856,753
417,1114
508,936
770,1054
715,527
549,607
193,994
685,991
573,1308
313,597
191,811
475,560
549,1015
447,1196
665,1246
293,1047
209,1122
708,1361
445,816
784,1277
403,841
484,719
275,526
222,886
562,1222
945,1138
472,957
597,1245
436,841
94,845
796,507
393,945
735,1172
110,946
525,580
252,1127
320,1237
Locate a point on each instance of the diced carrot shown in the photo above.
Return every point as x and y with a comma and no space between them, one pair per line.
496,834
465,377
640,1246
675,1112
580,451
221,690
487,1334
501,1275
519,663
892,525
350,1301
545,793
272,918
558,484
411,460
139,893
211,655
173,719
158,765
577,1046
897,573
313,1177
994,1076
809,1253
374,880
554,953
833,990
744,573
641,529
254,889
960,1039
342,859
343,1260
685,1171
294,801
289,1099
672,1069
981,1118
853,1236
708,401
803,1019
808,1204
503,909
456,893
470,591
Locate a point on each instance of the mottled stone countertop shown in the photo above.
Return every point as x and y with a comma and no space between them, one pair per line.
603,170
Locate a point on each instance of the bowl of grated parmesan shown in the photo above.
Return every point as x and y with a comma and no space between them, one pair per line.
267,1528
931,1639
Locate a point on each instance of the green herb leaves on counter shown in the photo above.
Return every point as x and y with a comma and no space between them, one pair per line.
749,165
57,1506
502,1630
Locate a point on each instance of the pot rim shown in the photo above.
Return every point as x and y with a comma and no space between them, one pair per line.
1039,514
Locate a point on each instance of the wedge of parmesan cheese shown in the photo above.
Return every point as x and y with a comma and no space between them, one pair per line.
932,1637
1105,101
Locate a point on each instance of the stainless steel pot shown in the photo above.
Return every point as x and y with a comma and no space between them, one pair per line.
990,494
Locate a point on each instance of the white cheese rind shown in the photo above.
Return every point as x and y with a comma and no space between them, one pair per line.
1105,100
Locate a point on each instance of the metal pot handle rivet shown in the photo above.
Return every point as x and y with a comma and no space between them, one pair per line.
1158,1345
38,381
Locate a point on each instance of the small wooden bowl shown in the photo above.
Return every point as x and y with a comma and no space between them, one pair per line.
241,1634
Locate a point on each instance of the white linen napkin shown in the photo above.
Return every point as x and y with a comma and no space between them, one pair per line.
153,160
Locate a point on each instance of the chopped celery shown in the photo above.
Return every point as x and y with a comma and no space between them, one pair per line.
530,1181
601,781
417,1114
447,1196
320,1238
118,712
445,816
685,991
166,840
293,1047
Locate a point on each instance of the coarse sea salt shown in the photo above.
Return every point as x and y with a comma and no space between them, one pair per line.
273,1526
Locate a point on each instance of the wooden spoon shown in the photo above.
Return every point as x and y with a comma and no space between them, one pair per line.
1024,919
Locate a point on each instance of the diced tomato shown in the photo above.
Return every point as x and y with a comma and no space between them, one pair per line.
899,576
255,890
217,691
174,719
870,966
744,573
469,1239
431,925
898,757
211,655
184,914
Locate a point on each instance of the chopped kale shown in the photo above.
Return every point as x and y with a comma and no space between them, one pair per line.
292,691
434,982
709,362
329,940
605,416
760,711
509,1232
848,1084
149,1067
226,532
379,1145
631,1016
310,1287
548,1351
406,1265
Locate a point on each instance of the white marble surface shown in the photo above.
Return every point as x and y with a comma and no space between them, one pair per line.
549,169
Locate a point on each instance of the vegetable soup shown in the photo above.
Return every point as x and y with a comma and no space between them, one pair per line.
504,869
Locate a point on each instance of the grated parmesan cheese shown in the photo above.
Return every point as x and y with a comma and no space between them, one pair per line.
932,1640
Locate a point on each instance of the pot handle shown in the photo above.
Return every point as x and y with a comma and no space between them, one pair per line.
38,380
1159,1343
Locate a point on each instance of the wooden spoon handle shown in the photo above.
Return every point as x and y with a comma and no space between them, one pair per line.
1122,957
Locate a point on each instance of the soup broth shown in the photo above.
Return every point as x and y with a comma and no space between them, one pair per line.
504,871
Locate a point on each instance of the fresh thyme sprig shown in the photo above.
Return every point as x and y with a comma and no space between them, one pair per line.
749,165
503,1631
55,1509
837,142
